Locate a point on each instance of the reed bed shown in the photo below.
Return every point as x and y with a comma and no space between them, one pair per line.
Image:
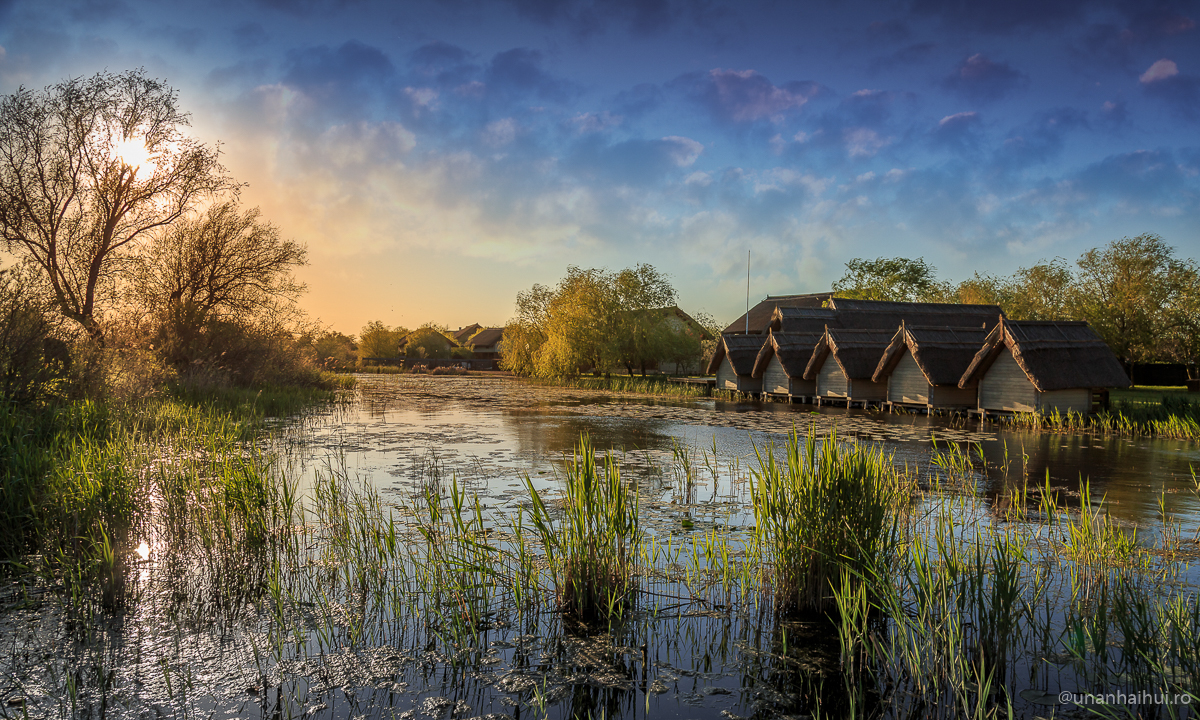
932,600
1174,417
636,385
826,513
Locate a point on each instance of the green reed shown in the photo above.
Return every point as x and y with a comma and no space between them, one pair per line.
828,509
1174,417
625,384
592,544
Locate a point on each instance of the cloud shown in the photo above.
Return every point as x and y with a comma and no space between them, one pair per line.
742,96
186,39
437,56
1160,70
863,142
1003,16
1040,140
869,107
888,31
637,163
249,36
960,132
341,82
517,73
589,17
1181,93
981,79
910,55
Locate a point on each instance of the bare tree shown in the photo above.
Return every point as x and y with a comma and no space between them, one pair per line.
225,264
88,168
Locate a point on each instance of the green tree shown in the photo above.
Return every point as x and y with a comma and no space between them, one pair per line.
643,334
896,279
380,341
89,168
580,325
525,334
334,351
593,321
1045,291
1127,291
428,341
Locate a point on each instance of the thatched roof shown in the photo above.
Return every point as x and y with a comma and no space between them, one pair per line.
883,315
741,350
760,314
793,350
463,334
486,337
856,352
804,319
1054,355
941,352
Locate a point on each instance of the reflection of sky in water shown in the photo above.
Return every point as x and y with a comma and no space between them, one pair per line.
491,432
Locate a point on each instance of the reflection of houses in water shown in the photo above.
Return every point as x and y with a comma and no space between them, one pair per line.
921,361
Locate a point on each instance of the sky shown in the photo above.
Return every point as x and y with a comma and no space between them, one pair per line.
439,157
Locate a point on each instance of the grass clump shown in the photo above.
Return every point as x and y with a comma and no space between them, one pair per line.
828,514
659,385
591,547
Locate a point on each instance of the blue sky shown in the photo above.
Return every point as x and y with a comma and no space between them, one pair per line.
438,157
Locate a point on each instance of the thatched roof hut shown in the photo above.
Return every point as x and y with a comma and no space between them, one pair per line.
804,319
886,315
843,362
760,315
1041,366
782,360
923,365
733,363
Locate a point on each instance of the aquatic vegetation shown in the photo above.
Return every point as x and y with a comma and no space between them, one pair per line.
591,547
652,385
825,514
1174,417
623,579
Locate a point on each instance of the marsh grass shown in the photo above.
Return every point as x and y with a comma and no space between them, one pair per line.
592,543
1175,416
935,603
637,385
824,515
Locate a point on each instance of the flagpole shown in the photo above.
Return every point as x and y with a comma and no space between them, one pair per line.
747,291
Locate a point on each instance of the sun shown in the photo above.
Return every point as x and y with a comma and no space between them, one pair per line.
132,151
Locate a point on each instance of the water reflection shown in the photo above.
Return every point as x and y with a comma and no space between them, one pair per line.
494,430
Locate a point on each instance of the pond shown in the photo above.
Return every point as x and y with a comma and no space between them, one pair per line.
311,642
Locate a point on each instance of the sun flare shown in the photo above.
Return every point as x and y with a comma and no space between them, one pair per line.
132,151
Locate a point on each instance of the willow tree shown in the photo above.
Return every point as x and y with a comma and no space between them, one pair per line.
89,168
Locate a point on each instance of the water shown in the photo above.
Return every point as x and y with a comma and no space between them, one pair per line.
493,430
173,655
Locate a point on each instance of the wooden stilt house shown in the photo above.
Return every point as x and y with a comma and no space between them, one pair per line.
733,363
781,363
923,365
1035,366
843,363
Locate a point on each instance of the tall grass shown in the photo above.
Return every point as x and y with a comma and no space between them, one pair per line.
1174,417
625,384
592,543
827,513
